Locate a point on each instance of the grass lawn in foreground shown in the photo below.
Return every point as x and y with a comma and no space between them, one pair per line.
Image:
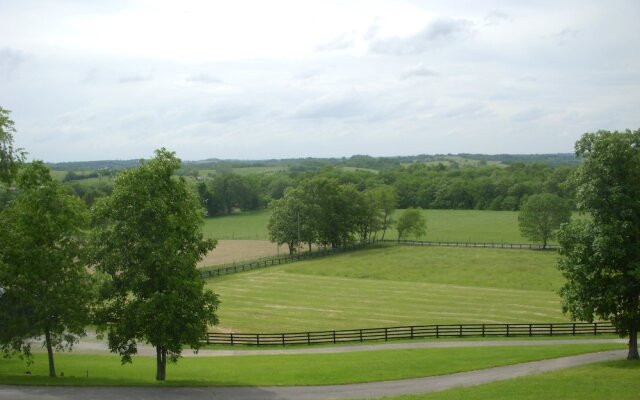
619,380
393,286
320,369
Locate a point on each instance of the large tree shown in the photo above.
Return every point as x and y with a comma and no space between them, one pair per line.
541,216
147,238
10,157
600,256
292,219
46,290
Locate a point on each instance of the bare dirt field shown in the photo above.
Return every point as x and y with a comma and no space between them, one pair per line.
228,251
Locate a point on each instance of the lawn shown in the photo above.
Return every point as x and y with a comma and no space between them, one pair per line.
609,380
393,287
318,369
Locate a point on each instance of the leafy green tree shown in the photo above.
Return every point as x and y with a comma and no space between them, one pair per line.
10,157
600,257
147,239
46,290
386,200
292,220
541,215
411,221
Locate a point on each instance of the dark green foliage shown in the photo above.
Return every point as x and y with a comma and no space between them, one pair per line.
46,289
541,215
600,257
147,239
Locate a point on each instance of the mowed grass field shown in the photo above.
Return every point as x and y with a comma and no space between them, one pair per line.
300,369
392,286
442,225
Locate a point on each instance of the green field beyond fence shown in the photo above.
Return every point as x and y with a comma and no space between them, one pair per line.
442,225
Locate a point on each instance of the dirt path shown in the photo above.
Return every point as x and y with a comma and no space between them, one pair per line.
228,251
352,391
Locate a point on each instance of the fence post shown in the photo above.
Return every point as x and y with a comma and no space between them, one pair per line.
360,335
507,330
412,332
460,330
258,339
334,337
573,331
232,339
530,333
437,331
550,329
309,338
595,328
482,330
386,338
283,340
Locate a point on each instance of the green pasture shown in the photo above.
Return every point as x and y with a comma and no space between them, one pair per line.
317,369
609,380
442,225
393,286
246,225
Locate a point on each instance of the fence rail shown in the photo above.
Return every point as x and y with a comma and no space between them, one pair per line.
529,246
410,332
247,266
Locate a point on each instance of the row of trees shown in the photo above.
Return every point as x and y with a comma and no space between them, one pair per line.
328,213
129,267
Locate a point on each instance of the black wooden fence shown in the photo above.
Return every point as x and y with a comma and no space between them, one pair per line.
529,246
410,332
285,259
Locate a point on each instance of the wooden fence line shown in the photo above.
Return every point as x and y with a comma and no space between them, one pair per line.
520,246
410,332
232,269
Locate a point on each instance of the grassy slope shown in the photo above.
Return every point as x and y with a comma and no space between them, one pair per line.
361,289
283,369
610,380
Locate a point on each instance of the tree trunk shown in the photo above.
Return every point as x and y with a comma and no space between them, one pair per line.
47,338
544,244
161,363
633,341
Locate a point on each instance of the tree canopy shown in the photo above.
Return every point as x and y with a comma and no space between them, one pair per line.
411,221
147,238
46,288
541,215
600,257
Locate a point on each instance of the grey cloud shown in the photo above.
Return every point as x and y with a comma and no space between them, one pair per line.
204,78
467,110
133,78
496,18
529,115
341,42
373,30
331,107
437,33
417,71
225,113
564,36
10,61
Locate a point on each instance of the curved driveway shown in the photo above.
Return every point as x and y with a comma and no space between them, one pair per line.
351,391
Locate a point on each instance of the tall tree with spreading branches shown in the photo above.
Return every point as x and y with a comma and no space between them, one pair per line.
600,256
147,239
541,216
10,157
46,290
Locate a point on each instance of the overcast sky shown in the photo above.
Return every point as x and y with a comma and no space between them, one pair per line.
279,79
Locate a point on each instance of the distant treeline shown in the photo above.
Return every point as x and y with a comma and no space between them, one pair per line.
465,181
